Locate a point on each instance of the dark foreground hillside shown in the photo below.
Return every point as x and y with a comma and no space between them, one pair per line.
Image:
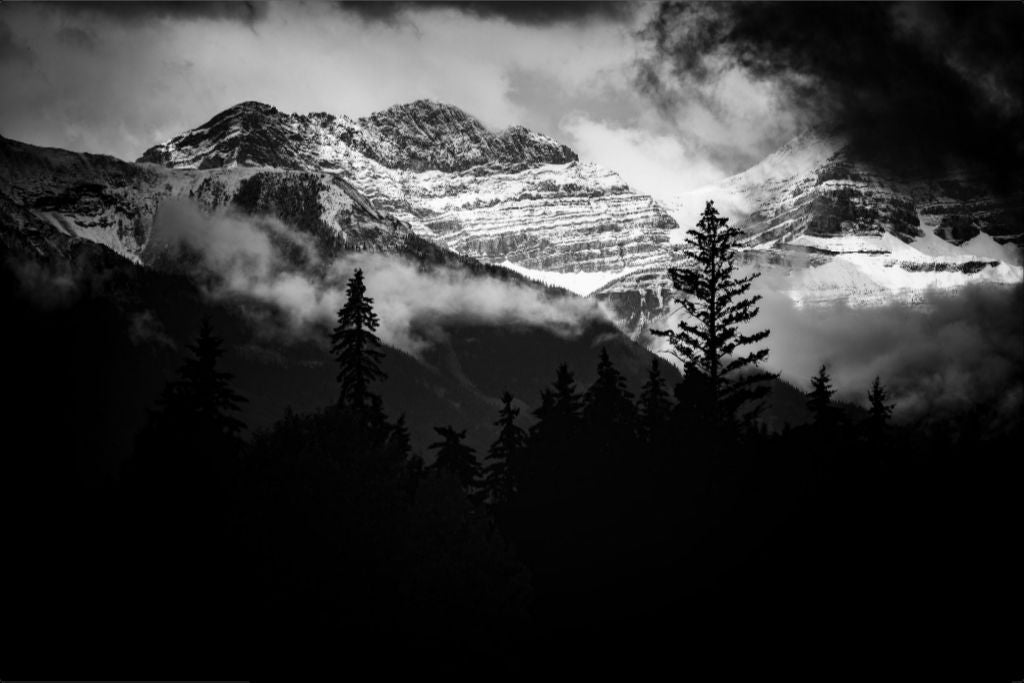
147,537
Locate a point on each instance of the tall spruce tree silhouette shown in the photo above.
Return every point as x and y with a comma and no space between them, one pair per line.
607,404
653,407
545,416
879,411
357,349
609,418
202,401
819,400
399,443
539,440
709,339
501,473
566,400
553,436
456,458
186,452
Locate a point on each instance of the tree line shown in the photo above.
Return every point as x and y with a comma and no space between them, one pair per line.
575,500
596,519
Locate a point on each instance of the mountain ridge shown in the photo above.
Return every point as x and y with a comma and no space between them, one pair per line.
516,196
828,223
421,135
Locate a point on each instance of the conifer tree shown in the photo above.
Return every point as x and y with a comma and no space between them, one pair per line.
715,304
202,400
357,348
819,399
566,401
194,433
502,469
399,443
654,406
544,414
879,411
456,458
608,404
553,435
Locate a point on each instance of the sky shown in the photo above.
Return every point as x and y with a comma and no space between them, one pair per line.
673,97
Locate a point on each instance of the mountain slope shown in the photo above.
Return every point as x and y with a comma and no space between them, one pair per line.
82,238
419,136
515,196
825,223
50,195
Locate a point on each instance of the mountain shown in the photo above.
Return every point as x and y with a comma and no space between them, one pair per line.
50,193
86,256
429,183
826,222
831,222
419,136
515,197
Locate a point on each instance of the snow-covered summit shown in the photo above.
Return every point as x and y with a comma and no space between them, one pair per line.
419,136
827,222
515,196
824,221
428,135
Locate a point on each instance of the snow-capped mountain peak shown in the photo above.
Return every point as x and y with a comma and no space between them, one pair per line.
419,136
516,195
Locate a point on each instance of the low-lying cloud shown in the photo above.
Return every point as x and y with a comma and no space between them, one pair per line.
260,258
947,355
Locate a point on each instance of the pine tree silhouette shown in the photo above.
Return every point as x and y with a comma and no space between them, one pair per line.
357,349
879,411
188,452
608,405
399,444
709,338
566,401
544,413
819,399
553,437
503,466
654,407
456,458
202,400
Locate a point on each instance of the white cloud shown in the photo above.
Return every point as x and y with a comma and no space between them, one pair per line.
413,303
657,164
143,82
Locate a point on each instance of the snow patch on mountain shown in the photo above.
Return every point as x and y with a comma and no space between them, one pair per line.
579,282
860,279
514,196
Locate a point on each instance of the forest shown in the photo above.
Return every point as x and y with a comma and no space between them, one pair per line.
599,529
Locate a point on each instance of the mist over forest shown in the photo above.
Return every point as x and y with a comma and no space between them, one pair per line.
511,338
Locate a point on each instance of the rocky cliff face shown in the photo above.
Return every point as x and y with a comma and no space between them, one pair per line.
822,221
420,136
51,195
516,196
820,187
825,224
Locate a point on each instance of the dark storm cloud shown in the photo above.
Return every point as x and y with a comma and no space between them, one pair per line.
129,12
146,81
11,50
525,13
909,83
77,38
